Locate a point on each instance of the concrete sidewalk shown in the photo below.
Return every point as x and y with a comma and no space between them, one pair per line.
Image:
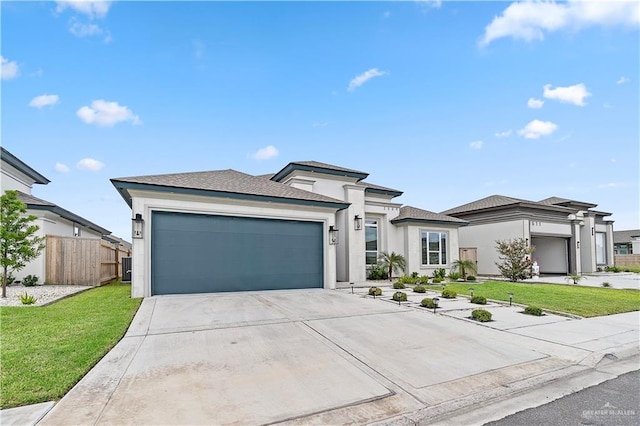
330,357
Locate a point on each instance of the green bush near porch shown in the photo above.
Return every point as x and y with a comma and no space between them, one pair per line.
47,350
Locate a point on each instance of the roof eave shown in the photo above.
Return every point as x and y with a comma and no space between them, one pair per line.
440,222
393,194
70,216
24,167
277,177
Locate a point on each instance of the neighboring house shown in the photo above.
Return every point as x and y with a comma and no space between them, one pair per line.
568,235
626,242
229,231
51,218
118,242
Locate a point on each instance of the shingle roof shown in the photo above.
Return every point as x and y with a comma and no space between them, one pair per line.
226,182
40,204
558,201
485,203
23,167
318,167
625,236
409,213
381,189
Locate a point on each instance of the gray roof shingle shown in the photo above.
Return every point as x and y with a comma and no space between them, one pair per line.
228,181
327,166
485,203
625,236
374,187
413,213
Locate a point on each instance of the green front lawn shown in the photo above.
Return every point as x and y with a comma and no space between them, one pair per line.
572,299
45,351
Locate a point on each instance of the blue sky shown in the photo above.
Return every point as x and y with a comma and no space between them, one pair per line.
447,101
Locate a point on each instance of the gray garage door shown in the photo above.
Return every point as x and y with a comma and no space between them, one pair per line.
194,253
551,254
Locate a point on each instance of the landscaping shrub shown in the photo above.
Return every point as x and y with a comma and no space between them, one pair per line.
399,296
420,289
455,276
428,303
606,284
398,285
10,278
423,279
533,310
375,291
436,280
515,258
449,294
29,281
614,269
479,300
440,273
406,279
471,278
414,275
377,272
481,315
27,299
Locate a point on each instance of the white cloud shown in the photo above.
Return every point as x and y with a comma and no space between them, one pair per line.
623,80
43,100
93,9
90,164
476,145
504,134
61,168
532,20
535,103
429,4
571,94
81,29
104,113
9,69
610,185
364,77
536,128
265,153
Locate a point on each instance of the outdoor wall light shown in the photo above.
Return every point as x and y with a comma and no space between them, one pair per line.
471,290
510,299
435,304
137,226
578,244
357,223
333,235
527,241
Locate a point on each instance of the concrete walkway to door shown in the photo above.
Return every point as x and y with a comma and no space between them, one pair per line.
320,357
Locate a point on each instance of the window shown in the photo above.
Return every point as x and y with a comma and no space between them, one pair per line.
434,248
76,230
371,244
601,252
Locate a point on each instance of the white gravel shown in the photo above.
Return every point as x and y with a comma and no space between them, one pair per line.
43,293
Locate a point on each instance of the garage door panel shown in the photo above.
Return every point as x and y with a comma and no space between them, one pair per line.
194,253
551,254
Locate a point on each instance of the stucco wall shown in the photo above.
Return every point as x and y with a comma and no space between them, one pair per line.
413,246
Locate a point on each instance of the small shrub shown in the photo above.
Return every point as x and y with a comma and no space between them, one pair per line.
29,281
399,296
375,291
471,278
398,285
27,299
423,279
414,275
440,273
420,289
406,279
575,278
599,269
533,310
428,303
606,284
614,269
455,276
10,278
479,300
481,315
436,280
449,294
377,272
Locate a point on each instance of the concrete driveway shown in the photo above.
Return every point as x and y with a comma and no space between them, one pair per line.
302,357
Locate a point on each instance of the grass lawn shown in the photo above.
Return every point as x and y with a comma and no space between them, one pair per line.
572,299
46,350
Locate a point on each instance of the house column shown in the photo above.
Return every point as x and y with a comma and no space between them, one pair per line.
609,241
355,238
574,250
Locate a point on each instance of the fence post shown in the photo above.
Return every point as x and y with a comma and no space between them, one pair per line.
117,263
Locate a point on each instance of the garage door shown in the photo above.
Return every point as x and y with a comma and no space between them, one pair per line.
551,254
193,253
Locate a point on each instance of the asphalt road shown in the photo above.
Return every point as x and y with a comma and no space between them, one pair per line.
613,403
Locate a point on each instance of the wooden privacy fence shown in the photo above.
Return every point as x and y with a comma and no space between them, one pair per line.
627,259
81,261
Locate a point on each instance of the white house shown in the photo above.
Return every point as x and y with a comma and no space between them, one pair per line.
310,224
569,236
51,218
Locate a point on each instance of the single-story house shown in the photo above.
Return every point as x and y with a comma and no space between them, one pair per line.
310,224
569,236
626,242
51,218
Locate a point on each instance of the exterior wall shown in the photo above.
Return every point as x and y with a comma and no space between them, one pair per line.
329,185
412,235
144,202
588,245
354,243
484,236
13,179
550,228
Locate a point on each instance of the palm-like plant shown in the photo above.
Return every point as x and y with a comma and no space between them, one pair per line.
464,266
393,262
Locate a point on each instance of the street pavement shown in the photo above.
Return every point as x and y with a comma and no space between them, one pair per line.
332,357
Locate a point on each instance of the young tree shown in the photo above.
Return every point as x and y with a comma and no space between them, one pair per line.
465,265
18,243
392,262
515,258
